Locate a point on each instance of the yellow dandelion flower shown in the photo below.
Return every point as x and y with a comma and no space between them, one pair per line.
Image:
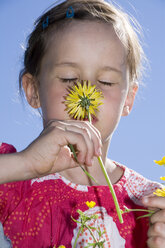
160,162
160,192
83,100
162,178
90,204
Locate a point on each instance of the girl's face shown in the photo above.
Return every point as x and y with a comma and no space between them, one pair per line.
86,51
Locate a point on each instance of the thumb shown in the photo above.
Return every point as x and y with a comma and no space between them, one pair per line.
65,159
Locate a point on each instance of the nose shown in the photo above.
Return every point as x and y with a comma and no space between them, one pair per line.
91,80
88,74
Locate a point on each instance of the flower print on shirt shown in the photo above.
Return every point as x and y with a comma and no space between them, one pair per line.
106,223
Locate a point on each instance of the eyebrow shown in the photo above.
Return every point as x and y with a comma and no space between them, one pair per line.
105,68
67,64
109,68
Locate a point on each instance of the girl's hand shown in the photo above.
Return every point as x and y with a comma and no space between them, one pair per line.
156,232
50,153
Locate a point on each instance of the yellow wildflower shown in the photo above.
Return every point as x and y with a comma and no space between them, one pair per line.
160,192
83,100
160,162
61,246
90,204
162,178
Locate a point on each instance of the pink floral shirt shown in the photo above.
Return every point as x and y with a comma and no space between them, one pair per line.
37,213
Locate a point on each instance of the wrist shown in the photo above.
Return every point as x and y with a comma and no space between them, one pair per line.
27,171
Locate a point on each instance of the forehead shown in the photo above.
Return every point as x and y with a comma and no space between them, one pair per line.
86,42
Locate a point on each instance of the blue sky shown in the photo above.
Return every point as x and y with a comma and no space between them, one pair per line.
140,137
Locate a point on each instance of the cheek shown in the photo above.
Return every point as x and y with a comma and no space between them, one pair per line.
114,98
113,104
52,103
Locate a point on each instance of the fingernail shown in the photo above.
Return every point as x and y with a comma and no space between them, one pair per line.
90,162
99,152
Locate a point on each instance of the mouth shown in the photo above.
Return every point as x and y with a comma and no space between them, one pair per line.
93,119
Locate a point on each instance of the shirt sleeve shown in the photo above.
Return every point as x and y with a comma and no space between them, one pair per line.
10,193
138,186
5,148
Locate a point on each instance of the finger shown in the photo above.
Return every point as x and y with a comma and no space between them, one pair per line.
91,134
49,126
90,125
154,201
67,134
156,242
95,134
157,229
157,216
88,140
96,137
91,137
64,158
65,137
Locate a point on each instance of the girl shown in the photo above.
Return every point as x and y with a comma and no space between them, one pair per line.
77,40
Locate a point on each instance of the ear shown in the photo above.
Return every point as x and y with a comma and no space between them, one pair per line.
29,84
130,99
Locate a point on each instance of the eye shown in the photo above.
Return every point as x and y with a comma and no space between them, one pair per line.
68,80
106,83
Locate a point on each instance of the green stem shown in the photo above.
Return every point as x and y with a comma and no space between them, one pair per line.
127,210
85,171
91,233
109,182
89,116
78,234
150,212
144,216
74,153
111,189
